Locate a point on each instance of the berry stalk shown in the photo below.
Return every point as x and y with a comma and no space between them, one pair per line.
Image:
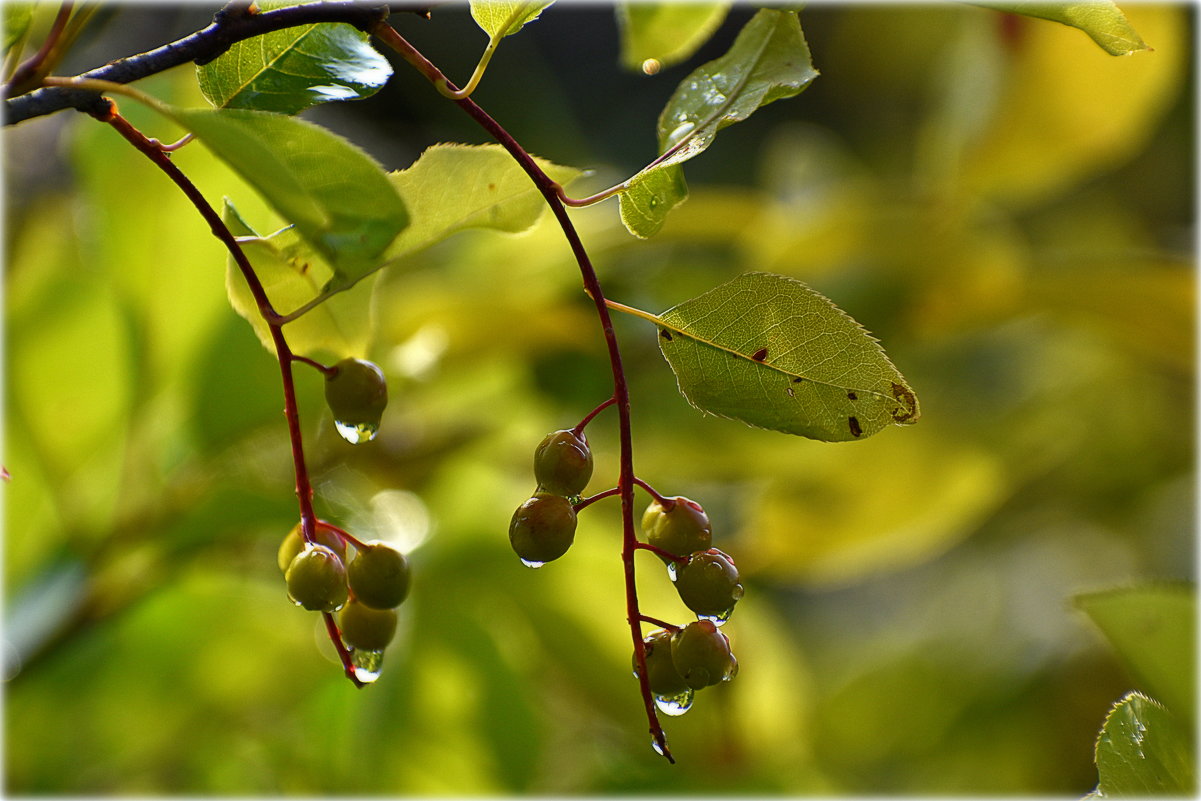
621,396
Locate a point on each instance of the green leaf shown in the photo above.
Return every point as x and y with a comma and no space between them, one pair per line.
501,18
665,32
1103,21
768,61
289,70
292,275
339,199
769,351
1143,750
453,187
1152,628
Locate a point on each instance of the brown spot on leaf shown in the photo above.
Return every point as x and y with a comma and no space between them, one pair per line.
791,394
856,431
797,380
759,355
907,412
663,332
852,396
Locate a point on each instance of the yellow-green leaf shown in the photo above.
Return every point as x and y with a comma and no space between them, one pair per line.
667,33
1144,751
768,61
769,351
500,18
1103,21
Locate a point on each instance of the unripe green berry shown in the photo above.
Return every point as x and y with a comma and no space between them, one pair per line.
680,528
563,463
702,655
357,393
661,671
378,575
365,628
542,528
708,584
317,579
293,544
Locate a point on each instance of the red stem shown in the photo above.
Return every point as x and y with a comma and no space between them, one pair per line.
579,429
666,503
609,493
646,546
621,395
304,488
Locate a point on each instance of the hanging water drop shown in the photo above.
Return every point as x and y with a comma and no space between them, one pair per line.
655,745
719,619
532,564
675,705
367,664
357,433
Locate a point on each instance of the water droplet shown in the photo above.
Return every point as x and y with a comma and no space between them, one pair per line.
737,592
675,705
356,433
678,133
719,619
655,745
532,563
367,664
673,570
732,670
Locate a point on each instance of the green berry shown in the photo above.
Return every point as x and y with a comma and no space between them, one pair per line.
542,528
662,675
563,463
365,628
379,575
708,584
681,527
317,579
356,393
294,543
702,655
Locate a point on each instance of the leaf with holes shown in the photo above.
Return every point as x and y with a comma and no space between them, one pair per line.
289,70
769,351
767,62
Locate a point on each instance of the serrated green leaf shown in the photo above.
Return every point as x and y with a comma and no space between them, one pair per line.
1103,21
292,274
650,195
453,187
769,351
289,70
768,61
1143,750
1152,628
666,32
339,199
501,18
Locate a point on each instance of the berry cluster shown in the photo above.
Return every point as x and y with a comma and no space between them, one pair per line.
364,590
679,659
683,659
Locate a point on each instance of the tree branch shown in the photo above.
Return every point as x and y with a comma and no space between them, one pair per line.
232,24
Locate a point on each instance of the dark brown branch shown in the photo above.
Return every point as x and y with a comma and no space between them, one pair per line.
230,25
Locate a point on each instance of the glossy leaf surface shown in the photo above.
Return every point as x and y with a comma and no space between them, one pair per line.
292,69
1102,20
500,18
1143,751
769,351
339,199
768,61
666,32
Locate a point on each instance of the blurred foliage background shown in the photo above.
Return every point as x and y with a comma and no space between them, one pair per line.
1009,209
